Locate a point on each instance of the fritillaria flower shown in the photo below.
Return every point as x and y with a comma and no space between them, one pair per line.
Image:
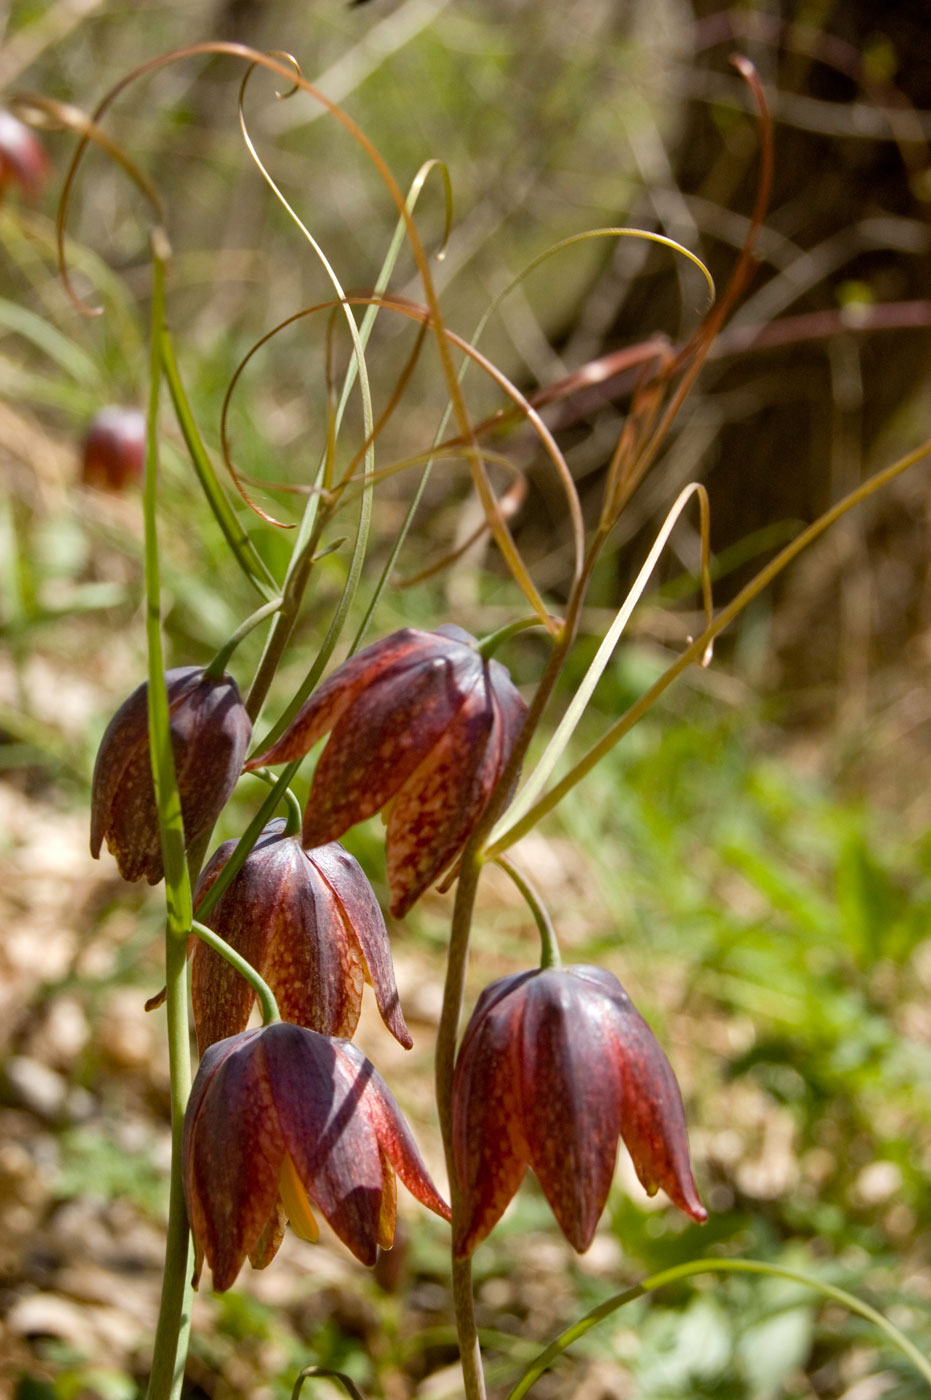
210,733
282,1122
555,1065
421,724
114,449
309,923
23,160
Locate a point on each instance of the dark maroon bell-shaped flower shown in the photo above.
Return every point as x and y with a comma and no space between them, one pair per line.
210,733
420,723
309,923
114,449
555,1065
282,1121
23,160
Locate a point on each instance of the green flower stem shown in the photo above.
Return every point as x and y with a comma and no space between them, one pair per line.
473,858
549,945
698,648
489,645
270,1012
720,1266
299,571
469,1351
218,665
174,1320
249,837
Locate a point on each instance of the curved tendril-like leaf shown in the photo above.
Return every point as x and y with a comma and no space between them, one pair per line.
567,726
325,1372
721,1266
619,231
447,451
56,115
474,454
358,347
699,646
397,395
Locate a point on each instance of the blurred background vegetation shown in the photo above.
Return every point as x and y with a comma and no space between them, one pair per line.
754,861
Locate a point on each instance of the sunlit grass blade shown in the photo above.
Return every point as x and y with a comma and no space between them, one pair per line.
576,708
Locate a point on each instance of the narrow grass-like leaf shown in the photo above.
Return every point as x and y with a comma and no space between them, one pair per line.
710,1266
576,708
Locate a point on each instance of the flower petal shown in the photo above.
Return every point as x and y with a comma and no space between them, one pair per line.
364,926
332,1145
438,805
652,1117
382,738
395,1139
490,1147
232,1154
571,1100
328,702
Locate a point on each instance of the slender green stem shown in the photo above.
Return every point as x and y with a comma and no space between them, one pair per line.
174,1318
721,1266
267,1002
489,645
218,665
173,1328
248,839
549,945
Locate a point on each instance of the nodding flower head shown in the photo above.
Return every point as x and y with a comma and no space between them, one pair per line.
210,733
422,725
282,1122
554,1067
114,449
309,923
23,160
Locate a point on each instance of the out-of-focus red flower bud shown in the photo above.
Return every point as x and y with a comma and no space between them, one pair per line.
420,721
114,449
23,160
555,1065
280,1121
310,925
210,733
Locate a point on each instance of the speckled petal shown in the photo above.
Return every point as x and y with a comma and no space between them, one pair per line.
652,1118
232,1154
439,804
331,1142
364,924
330,700
571,1092
382,737
394,1136
490,1146
210,732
